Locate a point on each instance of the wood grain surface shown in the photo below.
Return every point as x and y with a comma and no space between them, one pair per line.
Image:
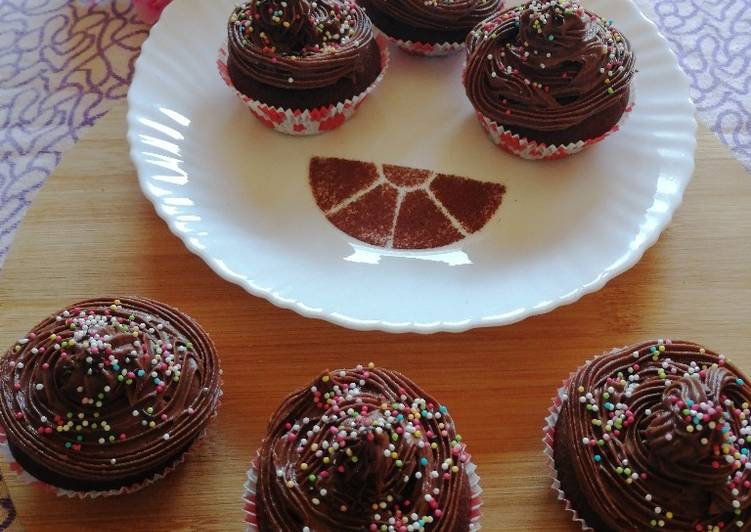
90,232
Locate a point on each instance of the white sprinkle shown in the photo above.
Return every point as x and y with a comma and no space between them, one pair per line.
113,461
166,436
39,387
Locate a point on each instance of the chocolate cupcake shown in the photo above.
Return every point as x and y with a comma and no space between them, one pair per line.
294,56
107,395
548,78
362,449
429,28
655,436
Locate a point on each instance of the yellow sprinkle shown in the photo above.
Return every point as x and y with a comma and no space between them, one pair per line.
304,466
325,378
669,515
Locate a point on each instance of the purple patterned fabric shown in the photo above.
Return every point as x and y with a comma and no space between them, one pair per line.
63,63
713,42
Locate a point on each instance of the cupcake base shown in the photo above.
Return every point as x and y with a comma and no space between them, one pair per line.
300,121
251,517
551,145
400,31
28,472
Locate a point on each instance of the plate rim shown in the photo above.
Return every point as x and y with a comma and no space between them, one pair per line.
634,256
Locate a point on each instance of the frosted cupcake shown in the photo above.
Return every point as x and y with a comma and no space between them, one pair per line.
654,436
362,449
548,78
107,396
296,56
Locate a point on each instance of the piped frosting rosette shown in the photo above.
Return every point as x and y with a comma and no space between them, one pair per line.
548,68
654,436
298,45
106,396
362,449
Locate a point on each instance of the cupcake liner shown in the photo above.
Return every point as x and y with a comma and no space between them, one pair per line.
530,149
30,479
429,49
303,122
548,441
249,495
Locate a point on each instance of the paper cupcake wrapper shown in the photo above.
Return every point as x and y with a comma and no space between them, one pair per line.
548,441
30,479
429,49
303,122
249,496
530,149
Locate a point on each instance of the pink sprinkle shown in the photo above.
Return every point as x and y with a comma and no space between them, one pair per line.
45,366
446,476
438,512
323,474
340,469
164,417
32,336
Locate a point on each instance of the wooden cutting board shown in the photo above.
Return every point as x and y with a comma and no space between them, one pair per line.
90,232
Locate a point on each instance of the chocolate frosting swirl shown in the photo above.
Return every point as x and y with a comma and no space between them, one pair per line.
546,65
439,15
109,389
659,437
296,44
358,449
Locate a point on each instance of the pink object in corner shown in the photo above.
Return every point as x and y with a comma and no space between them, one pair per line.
149,10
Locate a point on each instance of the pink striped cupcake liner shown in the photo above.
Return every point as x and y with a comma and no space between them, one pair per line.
429,49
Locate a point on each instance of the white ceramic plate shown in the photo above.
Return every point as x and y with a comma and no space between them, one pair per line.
237,193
